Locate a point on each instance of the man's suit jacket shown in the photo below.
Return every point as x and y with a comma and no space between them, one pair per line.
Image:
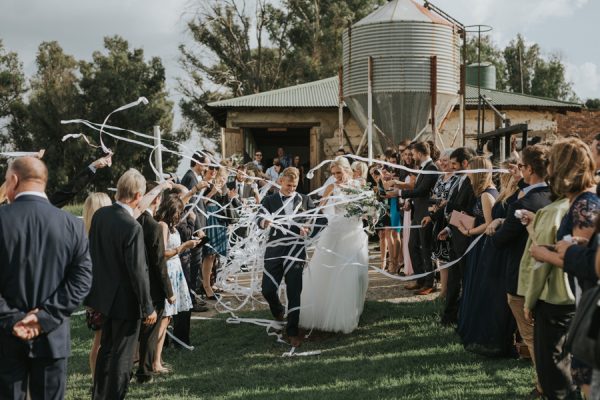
120,289
461,199
44,264
189,180
273,204
65,194
421,194
160,284
512,235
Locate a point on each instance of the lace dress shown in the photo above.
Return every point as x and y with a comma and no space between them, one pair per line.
183,301
335,282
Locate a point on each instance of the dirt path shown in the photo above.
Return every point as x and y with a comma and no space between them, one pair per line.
381,288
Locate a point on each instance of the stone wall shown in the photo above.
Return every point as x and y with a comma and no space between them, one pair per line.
585,123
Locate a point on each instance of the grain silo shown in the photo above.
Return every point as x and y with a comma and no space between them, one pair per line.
412,50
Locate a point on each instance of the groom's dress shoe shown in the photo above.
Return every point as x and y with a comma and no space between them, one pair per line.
413,286
296,341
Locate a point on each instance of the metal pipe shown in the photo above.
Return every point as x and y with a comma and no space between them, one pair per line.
158,153
433,92
370,110
341,106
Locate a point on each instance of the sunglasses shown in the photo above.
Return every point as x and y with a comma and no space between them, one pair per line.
521,166
213,168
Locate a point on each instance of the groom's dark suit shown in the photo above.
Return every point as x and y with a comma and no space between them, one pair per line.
279,246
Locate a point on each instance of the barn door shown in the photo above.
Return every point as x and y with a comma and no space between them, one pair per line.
232,142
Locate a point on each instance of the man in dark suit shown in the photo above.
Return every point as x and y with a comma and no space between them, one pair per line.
45,273
461,199
277,267
191,179
120,289
420,243
511,235
160,284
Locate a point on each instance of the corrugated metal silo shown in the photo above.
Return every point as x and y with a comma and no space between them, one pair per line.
401,37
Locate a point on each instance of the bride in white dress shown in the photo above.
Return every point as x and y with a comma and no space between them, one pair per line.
334,284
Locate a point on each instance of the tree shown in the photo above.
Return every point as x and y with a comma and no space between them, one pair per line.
489,53
549,79
54,96
593,104
12,81
120,76
520,62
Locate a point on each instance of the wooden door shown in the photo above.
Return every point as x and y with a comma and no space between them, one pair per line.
315,157
232,142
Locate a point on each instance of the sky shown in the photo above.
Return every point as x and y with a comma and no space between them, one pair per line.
158,26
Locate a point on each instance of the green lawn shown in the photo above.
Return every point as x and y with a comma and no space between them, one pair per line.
399,351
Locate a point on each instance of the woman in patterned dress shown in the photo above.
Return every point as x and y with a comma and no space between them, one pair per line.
168,215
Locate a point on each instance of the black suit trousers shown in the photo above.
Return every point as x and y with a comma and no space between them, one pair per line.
552,362
115,358
420,249
148,342
181,326
293,282
45,377
458,244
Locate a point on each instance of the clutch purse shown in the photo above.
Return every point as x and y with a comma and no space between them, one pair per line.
459,219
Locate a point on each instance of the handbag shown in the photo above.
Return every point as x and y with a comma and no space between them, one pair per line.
459,219
583,338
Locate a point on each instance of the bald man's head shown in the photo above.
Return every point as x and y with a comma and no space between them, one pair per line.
25,174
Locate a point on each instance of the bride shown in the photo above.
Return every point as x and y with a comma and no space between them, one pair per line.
334,284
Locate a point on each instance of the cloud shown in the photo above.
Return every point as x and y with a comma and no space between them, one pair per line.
585,78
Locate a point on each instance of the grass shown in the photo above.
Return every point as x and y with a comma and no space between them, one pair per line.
399,351
75,209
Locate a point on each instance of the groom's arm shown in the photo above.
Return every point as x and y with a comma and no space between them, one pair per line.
262,212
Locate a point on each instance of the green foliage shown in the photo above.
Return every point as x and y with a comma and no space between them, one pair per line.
593,104
399,351
12,81
520,62
549,79
64,88
116,77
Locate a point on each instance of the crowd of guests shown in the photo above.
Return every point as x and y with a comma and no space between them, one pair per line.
520,247
514,251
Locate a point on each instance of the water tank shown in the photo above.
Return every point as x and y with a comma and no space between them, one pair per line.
401,36
488,75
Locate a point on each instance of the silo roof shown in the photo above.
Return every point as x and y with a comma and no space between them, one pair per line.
402,10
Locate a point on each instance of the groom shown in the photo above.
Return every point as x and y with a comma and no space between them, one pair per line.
282,244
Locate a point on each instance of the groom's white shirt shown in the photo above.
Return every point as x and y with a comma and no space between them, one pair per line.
288,204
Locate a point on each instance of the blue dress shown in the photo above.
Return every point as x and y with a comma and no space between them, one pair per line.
216,227
485,324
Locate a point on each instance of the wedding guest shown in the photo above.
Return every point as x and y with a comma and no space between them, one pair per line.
393,233
168,215
120,287
274,170
283,158
93,203
406,181
473,301
193,180
572,175
302,187
440,193
216,198
161,289
258,161
359,172
545,289
421,240
45,272
460,199
511,236
384,219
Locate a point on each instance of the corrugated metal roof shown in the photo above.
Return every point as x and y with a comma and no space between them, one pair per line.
401,10
324,94
501,98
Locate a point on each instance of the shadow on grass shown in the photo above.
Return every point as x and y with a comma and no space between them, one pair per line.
399,351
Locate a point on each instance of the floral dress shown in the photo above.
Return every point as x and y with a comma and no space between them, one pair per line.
183,300
441,191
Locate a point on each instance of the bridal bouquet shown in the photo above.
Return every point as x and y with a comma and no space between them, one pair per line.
365,206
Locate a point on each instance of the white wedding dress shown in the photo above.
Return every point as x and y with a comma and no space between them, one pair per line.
334,284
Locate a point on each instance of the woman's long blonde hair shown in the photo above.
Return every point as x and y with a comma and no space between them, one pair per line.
508,183
480,180
93,202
